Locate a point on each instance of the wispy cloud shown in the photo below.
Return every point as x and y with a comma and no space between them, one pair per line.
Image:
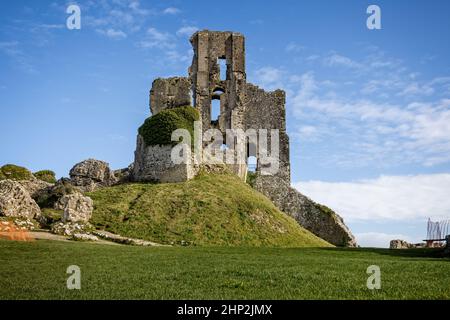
171,10
187,31
20,60
294,47
113,34
387,198
116,19
339,60
269,77
373,112
373,131
157,39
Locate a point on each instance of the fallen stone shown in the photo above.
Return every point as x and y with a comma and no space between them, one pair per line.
35,187
84,237
77,208
70,228
124,240
15,201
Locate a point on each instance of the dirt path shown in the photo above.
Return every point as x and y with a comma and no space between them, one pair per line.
45,235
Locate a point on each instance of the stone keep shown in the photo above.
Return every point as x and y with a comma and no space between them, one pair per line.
242,106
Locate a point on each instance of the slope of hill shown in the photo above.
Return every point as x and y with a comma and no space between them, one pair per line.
212,209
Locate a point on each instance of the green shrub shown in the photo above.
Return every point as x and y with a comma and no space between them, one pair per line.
251,177
51,215
13,172
45,175
157,129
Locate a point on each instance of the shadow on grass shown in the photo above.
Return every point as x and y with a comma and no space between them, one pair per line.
409,253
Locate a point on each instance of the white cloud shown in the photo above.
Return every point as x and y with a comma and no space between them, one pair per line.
294,47
187,31
113,34
268,77
416,89
135,6
372,131
128,16
380,240
171,10
157,39
389,198
175,56
20,60
339,60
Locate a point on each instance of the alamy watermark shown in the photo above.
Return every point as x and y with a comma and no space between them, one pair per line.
374,20
74,280
73,22
374,280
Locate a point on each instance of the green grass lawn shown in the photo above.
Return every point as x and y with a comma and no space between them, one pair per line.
37,270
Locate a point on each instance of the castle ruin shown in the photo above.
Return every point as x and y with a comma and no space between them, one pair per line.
242,106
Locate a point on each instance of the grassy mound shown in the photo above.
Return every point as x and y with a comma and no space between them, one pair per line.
208,210
13,172
46,175
157,129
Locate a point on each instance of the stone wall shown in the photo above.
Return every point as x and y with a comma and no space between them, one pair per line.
266,110
324,223
154,164
170,93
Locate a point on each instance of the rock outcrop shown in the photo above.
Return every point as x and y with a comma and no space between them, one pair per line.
15,201
35,187
318,219
124,175
77,208
92,174
402,244
49,196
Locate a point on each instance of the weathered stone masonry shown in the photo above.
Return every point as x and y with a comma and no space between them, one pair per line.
242,106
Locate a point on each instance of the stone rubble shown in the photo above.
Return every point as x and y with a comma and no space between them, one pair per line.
16,202
124,240
77,208
70,228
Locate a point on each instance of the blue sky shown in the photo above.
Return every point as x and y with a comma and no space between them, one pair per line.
368,111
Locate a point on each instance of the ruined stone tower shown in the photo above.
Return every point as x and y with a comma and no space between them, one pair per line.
207,84
243,106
